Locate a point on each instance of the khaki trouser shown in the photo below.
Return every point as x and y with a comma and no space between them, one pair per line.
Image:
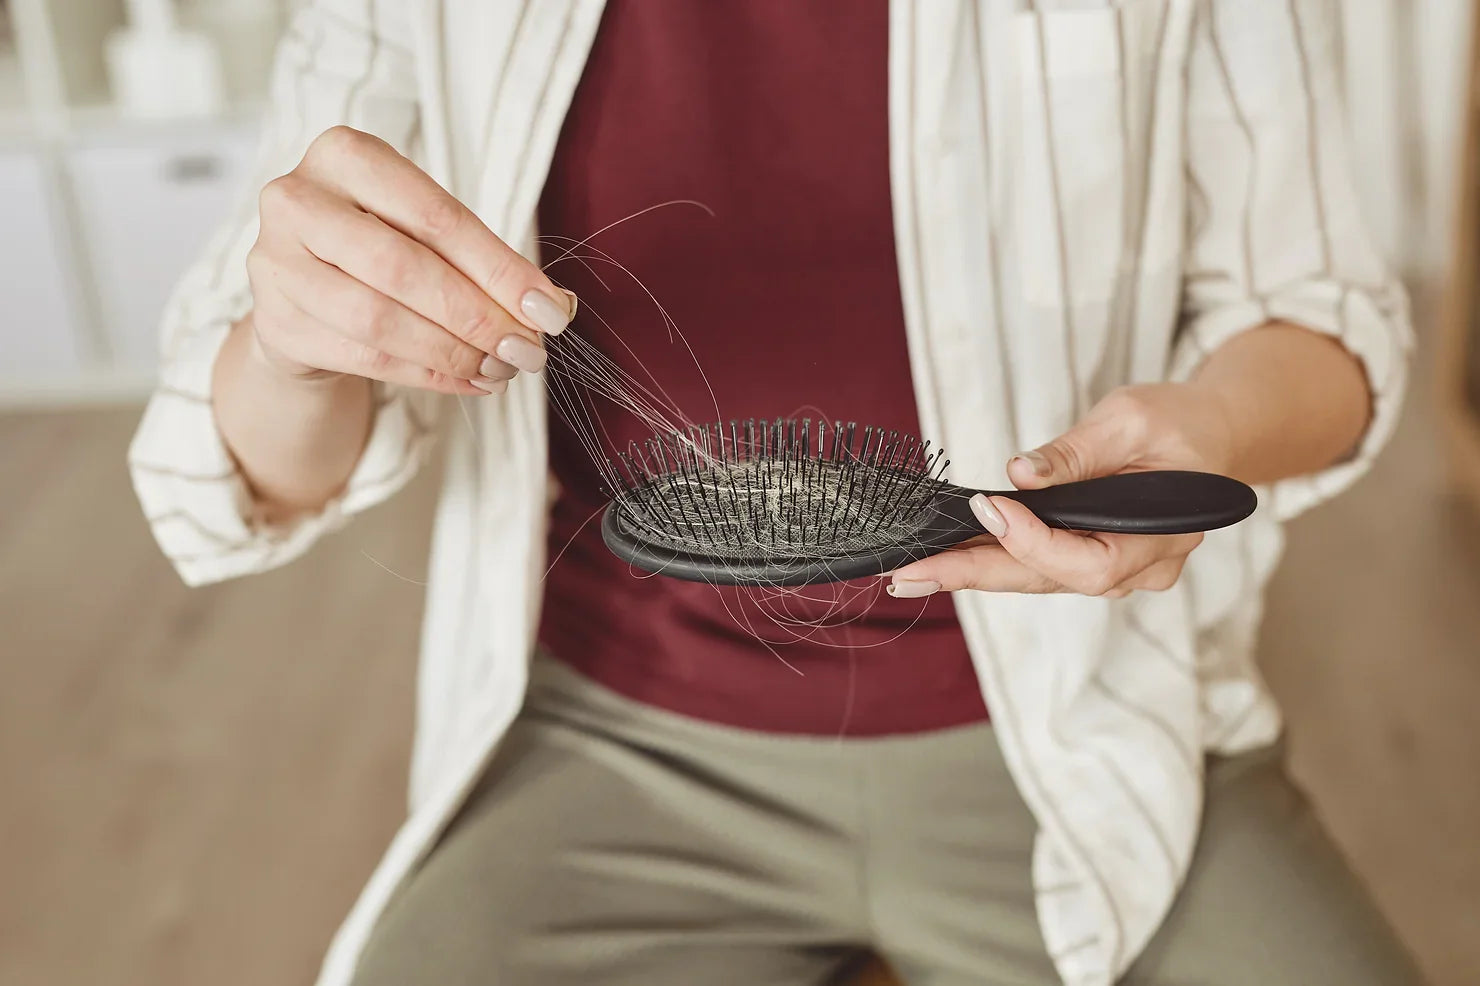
615,843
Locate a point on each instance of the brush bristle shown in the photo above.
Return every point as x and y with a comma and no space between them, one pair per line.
783,488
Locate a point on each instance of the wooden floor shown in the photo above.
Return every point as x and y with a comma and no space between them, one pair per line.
193,784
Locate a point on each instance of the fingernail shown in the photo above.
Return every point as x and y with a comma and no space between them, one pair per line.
490,386
542,310
1036,461
988,515
519,351
905,589
575,303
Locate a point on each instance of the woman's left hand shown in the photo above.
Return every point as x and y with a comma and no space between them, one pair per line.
1155,426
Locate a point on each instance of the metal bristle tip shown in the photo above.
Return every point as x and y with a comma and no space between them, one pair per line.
781,488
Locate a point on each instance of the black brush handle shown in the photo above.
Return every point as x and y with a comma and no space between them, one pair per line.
1160,502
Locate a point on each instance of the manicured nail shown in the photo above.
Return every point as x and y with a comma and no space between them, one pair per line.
490,386
519,351
905,589
1036,461
544,312
988,516
575,303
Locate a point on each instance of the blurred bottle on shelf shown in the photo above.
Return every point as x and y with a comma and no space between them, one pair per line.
157,68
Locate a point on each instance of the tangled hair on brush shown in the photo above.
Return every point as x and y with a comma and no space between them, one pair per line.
762,489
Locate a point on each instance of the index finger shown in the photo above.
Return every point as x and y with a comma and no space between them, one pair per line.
380,180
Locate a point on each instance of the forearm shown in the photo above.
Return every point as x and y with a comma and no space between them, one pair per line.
1294,400
296,439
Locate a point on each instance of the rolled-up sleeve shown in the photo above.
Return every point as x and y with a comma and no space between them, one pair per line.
1275,231
335,65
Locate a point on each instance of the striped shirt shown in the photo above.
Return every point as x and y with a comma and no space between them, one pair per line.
1086,193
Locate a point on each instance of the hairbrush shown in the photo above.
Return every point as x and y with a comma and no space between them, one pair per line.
781,503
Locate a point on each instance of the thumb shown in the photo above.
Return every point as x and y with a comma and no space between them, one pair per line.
1098,445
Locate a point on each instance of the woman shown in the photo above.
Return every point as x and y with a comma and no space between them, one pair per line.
1116,235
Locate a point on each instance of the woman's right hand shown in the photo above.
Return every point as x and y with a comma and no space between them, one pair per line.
364,265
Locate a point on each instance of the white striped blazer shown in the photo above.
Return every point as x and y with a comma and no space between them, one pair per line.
1086,193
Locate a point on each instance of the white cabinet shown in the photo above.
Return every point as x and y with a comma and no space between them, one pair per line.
39,316
145,208
101,211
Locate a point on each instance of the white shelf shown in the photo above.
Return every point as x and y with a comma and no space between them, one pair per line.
103,120
41,324
146,205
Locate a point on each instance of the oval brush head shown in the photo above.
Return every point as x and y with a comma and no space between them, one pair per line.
771,502
781,503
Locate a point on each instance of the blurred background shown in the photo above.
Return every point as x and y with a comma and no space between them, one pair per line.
194,784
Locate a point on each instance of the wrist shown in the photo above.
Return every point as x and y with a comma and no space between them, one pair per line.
1292,400
1209,422
296,437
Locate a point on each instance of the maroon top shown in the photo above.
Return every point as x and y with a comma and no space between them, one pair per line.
773,114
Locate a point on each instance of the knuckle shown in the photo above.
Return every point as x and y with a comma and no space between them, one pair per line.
499,271
462,310
392,267
376,362
442,382
375,318
441,216
1127,400
482,330
1130,409
279,195
258,264
339,141
462,362
363,360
